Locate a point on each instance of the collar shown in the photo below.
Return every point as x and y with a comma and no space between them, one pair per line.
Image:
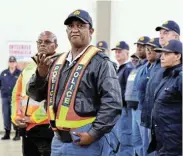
15,71
173,71
124,64
69,57
141,62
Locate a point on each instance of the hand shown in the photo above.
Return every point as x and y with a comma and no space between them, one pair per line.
21,122
85,138
27,119
43,64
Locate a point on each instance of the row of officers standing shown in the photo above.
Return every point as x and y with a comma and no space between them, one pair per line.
80,103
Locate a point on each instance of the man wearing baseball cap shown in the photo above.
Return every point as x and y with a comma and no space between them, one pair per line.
103,46
153,80
131,96
167,111
134,59
144,75
168,30
8,79
123,127
83,92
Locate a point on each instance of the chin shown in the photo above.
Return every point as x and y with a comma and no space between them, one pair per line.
164,65
77,44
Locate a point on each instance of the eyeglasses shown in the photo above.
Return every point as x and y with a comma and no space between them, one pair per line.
46,42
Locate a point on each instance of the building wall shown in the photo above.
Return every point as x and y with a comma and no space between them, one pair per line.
131,19
24,20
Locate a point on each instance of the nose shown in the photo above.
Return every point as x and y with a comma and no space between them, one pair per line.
161,36
42,44
75,28
161,57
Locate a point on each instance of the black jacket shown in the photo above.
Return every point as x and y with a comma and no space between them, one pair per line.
98,94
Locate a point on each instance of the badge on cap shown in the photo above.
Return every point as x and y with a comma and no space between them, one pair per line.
77,12
152,40
100,44
167,43
141,39
165,23
118,44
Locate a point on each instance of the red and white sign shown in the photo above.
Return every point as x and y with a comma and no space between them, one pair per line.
21,50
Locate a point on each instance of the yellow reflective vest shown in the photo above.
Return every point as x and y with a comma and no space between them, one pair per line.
66,117
35,110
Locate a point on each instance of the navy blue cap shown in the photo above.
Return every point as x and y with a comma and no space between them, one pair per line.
134,55
102,45
81,15
169,25
121,45
171,46
154,42
143,40
12,59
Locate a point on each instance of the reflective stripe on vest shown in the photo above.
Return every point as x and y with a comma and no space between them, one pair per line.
66,117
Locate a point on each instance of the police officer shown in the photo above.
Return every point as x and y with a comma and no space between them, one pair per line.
103,46
84,105
168,30
131,96
167,111
124,125
144,74
7,82
134,59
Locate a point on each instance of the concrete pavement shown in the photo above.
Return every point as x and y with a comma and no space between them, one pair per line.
10,148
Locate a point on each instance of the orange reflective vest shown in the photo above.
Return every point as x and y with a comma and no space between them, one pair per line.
66,118
35,110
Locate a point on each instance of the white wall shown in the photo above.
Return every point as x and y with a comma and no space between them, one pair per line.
25,19
132,19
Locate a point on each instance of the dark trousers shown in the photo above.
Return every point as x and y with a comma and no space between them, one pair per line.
6,110
36,146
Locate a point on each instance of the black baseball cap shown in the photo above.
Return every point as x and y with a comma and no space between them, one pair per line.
12,59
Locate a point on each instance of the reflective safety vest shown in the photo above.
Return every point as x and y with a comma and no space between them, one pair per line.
35,110
66,117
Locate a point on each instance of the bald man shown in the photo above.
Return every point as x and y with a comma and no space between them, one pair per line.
31,115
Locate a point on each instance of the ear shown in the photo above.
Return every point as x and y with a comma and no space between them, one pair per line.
66,31
177,37
91,31
178,56
56,45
